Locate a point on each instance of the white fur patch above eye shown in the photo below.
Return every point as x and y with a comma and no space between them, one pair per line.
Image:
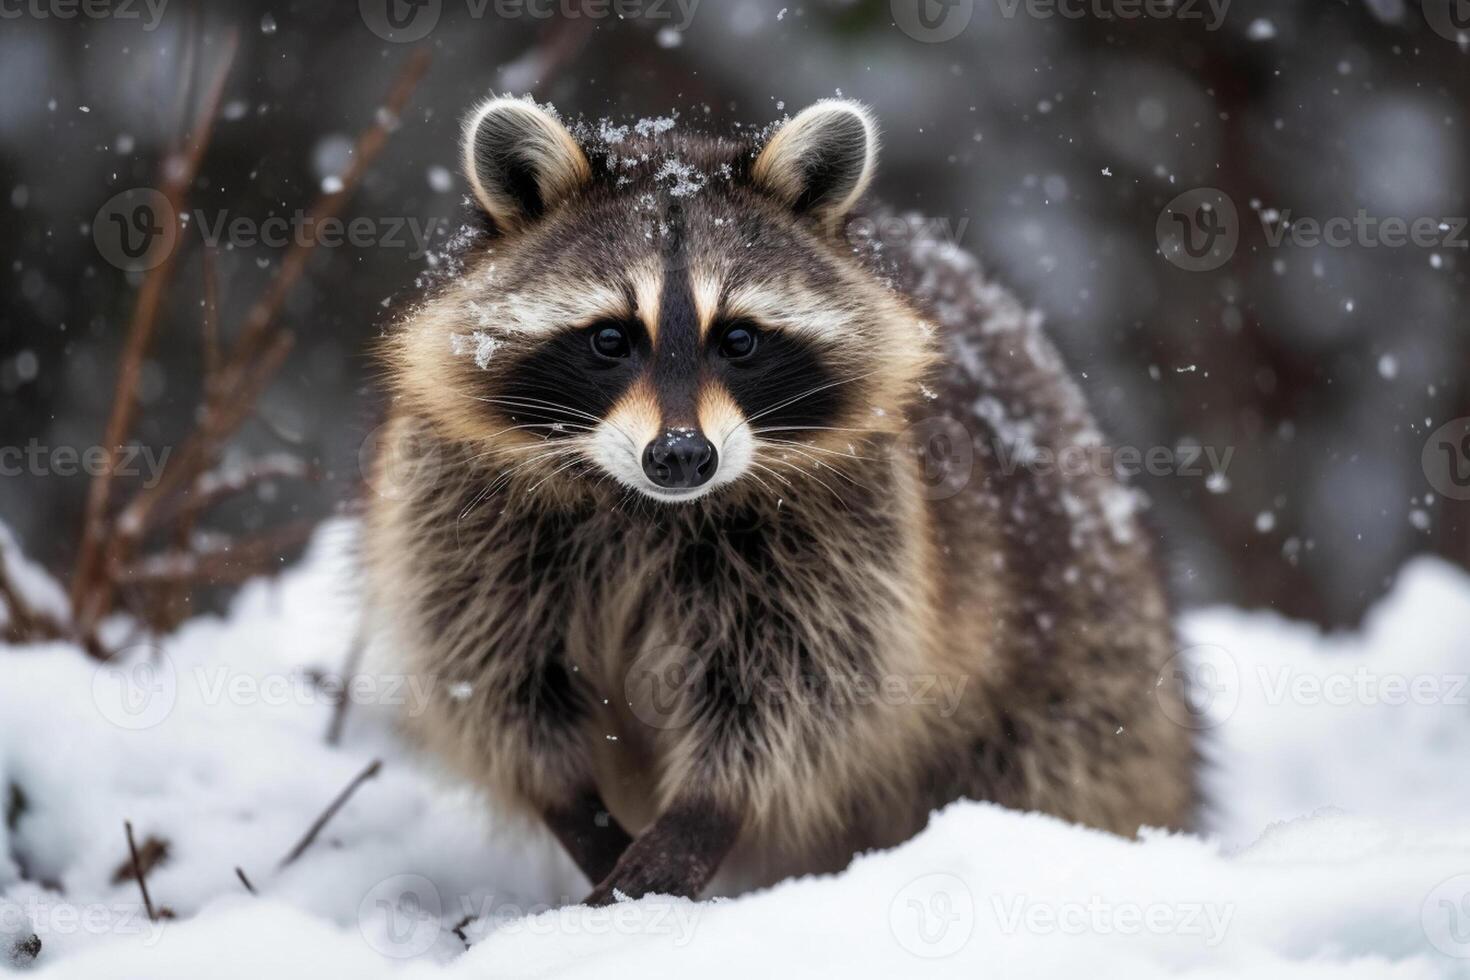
822,161
789,306
553,307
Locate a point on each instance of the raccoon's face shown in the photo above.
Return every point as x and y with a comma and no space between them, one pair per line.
672,315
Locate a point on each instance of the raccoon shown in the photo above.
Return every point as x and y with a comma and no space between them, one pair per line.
727,513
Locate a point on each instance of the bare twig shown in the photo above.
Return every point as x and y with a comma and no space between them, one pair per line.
233,385
153,853
370,772
233,561
461,926
24,623
339,710
560,42
240,873
209,319
369,144
138,872
90,593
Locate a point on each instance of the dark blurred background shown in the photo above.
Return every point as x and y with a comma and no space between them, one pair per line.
1047,144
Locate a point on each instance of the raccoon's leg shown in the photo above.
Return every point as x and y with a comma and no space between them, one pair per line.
677,855
590,834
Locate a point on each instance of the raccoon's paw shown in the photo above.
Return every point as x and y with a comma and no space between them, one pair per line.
648,871
677,855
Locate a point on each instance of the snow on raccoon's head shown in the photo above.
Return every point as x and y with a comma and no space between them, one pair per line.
677,313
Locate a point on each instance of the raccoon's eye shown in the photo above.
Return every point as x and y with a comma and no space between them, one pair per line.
738,343
611,342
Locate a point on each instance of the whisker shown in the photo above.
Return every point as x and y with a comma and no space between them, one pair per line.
819,449
819,463
823,483
807,394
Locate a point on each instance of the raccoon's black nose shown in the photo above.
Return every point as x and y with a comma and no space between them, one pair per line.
680,460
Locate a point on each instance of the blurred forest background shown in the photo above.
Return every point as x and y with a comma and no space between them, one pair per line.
1047,145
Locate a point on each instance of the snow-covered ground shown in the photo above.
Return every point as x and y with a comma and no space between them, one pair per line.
1338,847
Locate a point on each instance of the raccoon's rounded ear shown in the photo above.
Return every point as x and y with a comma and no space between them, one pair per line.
520,160
822,161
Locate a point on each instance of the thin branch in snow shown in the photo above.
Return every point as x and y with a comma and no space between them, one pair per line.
230,561
331,811
240,873
23,624
109,572
138,872
91,587
339,710
142,860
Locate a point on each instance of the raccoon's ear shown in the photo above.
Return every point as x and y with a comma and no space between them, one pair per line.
822,161
520,161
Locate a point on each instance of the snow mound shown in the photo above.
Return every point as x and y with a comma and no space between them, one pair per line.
1336,848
